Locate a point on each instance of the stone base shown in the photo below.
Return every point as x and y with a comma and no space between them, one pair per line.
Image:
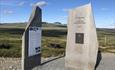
31,62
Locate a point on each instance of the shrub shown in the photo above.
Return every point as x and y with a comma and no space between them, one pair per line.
5,46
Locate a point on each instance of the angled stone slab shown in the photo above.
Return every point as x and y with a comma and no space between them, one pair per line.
31,41
82,44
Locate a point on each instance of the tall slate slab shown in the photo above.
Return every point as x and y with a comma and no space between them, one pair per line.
31,41
82,44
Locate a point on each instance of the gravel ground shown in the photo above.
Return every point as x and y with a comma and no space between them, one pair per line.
10,63
107,63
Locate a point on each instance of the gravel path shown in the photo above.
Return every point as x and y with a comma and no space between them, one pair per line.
57,64
107,63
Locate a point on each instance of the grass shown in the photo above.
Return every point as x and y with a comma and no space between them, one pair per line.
11,34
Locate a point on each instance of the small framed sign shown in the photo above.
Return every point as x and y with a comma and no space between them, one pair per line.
79,38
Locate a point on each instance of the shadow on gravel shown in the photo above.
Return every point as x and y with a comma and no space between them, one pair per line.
99,57
51,60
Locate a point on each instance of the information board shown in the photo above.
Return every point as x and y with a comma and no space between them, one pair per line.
34,41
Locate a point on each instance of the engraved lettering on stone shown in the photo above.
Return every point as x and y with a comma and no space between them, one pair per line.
79,20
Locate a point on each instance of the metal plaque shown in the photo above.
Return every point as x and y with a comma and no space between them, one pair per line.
79,38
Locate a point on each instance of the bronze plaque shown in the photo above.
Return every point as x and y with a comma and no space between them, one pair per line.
79,38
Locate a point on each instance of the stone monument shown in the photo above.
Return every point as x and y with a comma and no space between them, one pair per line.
31,41
82,44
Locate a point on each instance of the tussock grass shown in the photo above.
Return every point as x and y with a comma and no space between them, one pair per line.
56,34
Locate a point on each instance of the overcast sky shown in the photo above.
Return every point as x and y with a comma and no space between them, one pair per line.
56,10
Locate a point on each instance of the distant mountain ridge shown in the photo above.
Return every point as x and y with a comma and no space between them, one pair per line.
22,25
46,24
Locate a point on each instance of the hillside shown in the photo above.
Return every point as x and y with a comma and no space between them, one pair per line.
11,34
23,25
